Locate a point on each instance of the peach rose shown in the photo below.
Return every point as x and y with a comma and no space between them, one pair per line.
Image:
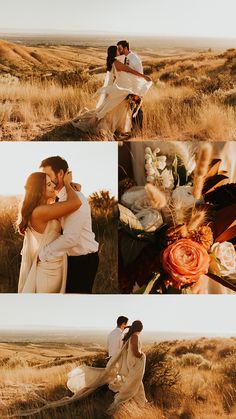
185,260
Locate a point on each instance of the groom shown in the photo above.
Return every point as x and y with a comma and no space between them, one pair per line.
77,239
134,62
115,337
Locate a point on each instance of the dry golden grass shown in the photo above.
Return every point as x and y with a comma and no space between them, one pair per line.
175,390
193,95
104,220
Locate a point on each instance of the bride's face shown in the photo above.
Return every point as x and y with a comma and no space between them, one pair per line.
49,172
50,188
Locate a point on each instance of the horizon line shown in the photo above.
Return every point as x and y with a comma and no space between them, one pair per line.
47,32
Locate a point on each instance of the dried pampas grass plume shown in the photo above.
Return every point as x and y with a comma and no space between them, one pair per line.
196,220
185,151
155,196
201,170
179,213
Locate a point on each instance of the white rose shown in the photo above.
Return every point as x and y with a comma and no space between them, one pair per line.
148,150
150,219
183,196
130,196
141,204
226,255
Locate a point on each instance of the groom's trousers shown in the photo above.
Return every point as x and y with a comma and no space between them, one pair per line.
81,273
137,123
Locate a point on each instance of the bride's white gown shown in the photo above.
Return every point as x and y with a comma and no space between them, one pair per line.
113,111
41,277
123,374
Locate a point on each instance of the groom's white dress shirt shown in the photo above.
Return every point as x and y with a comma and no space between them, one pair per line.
114,341
77,238
134,62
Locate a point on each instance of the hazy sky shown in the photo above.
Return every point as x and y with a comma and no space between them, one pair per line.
161,17
90,162
195,314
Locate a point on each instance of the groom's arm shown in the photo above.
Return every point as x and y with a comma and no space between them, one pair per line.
70,237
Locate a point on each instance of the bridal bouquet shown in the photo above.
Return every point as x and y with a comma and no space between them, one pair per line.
180,227
135,103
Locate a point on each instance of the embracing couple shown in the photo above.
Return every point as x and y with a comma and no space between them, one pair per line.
60,253
118,110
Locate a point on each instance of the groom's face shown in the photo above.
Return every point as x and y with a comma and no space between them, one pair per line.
120,49
123,326
57,179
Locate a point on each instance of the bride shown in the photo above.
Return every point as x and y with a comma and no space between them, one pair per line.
123,373
39,223
113,111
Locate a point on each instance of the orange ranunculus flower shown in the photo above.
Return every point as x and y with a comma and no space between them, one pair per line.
185,260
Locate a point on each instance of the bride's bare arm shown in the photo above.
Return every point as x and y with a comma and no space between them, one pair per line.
134,345
45,213
122,67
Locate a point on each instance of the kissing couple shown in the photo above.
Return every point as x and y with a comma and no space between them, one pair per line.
118,111
60,253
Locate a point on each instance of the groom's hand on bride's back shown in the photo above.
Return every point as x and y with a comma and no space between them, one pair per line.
147,78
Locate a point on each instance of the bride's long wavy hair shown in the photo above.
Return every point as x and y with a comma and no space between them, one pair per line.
136,326
35,188
111,56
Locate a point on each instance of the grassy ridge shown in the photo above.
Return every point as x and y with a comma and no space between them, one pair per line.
193,95
183,379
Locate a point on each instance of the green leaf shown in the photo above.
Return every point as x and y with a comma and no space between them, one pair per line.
152,283
140,290
131,248
129,218
175,171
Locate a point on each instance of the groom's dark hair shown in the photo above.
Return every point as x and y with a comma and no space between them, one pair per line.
57,163
124,44
121,320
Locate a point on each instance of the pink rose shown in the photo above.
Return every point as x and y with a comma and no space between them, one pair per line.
185,260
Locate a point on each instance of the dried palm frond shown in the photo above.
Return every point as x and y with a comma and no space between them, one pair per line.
222,196
201,170
215,177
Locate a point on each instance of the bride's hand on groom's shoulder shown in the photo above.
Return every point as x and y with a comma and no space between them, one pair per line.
76,186
68,177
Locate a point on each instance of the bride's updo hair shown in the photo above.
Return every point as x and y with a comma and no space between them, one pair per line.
137,326
111,55
35,188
